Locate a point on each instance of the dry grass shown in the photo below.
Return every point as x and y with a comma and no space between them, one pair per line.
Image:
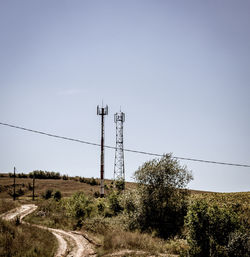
25,241
115,240
67,187
7,204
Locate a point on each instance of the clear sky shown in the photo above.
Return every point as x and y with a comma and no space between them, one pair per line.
180,70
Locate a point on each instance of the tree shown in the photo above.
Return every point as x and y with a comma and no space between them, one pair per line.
209,228
163,196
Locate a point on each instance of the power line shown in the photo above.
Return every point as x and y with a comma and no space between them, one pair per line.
127,150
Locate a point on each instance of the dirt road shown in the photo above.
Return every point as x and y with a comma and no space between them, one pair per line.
70,244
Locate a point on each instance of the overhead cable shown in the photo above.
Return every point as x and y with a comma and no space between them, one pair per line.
127,150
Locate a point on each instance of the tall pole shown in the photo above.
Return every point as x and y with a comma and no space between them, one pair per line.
102,157
33,187
102,111
14,195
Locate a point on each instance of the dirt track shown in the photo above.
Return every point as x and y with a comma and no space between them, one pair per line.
70,244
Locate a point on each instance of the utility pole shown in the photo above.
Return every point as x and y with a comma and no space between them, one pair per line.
102,111
14,195
119,171
33,187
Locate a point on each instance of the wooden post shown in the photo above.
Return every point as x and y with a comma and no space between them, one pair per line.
14,195
33,195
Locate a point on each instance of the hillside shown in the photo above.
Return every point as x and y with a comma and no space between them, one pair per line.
111,222
68,187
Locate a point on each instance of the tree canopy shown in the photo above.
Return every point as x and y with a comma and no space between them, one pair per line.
162,184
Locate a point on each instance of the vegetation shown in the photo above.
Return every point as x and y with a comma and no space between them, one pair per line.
22,240
163,198
58,195
48,194
159,216
209,227
39,174
110,222
6,205
120,184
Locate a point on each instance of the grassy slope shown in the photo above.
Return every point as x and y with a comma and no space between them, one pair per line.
24,240
67,187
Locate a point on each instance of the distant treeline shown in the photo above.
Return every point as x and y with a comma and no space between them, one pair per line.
40,174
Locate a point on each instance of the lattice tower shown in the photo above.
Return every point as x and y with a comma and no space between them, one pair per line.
119,172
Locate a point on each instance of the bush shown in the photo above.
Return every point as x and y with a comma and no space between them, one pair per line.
97,194
48,194
79,206
20,192
22,175
57,195
120,185
209,228
114,203
239,244
65,177
93,182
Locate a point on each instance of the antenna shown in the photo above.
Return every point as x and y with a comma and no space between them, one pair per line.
102,111
119,171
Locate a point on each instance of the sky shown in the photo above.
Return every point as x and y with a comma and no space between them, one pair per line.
179,70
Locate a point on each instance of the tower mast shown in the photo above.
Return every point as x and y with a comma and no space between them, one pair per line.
102,111
119,171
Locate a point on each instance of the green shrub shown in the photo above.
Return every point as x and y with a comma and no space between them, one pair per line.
209,228
48,194
239,244
20,192
101,205
93,182
58,195
65,177
120,185
97,194
79,206
115,203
